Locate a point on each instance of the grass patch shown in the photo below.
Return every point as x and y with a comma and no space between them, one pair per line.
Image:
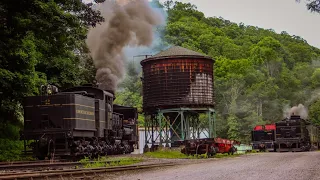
168,154
109,162
225,155
175,154
11,150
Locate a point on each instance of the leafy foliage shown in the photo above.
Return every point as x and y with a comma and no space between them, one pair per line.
313,5
12,150
130,93
41,42
314,112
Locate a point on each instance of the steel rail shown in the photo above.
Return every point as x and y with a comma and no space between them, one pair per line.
50,164
30,162
81,172
55,160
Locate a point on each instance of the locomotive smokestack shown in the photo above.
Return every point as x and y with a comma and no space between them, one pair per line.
129,24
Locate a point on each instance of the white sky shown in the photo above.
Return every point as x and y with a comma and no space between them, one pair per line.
279,15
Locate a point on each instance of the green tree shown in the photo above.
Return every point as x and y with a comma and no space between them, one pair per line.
313,5
129,93
268,56
178,10
41,41
315,78
233,131
314,112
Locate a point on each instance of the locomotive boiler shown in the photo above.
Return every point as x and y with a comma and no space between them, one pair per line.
80,121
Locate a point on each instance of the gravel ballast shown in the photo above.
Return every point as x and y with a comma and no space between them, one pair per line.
275,166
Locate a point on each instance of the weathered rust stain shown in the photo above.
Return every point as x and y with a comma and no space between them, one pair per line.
174,82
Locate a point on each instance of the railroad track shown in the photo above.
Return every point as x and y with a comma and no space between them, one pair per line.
41,164
29,162
60,160
49,163
89,172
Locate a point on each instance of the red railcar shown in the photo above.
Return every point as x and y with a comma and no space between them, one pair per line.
225,145
265,127
211,146
263,137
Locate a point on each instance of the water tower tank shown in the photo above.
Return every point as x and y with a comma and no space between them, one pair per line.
177,77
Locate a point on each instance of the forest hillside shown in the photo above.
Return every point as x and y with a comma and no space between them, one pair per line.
259,74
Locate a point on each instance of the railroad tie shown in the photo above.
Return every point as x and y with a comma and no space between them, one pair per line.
61,176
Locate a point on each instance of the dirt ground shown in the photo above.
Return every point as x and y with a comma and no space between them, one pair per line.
268,166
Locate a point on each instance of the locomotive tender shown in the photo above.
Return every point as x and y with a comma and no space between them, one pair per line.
296,134
80,121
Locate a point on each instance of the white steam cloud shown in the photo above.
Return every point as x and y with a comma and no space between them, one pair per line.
299,110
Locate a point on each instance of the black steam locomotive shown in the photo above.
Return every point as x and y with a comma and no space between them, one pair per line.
80,121
296,134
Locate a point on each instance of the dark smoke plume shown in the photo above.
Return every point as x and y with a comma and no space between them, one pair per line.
129,23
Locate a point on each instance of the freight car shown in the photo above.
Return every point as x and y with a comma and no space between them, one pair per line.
80,121
296,134
209,146
263,137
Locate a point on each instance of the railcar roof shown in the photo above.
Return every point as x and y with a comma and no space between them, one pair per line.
89,88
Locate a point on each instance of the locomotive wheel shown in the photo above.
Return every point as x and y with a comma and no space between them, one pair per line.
212,151
51,150
41,157
232,150
41,152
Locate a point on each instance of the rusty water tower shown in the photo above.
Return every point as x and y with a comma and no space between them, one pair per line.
177,77
177,84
